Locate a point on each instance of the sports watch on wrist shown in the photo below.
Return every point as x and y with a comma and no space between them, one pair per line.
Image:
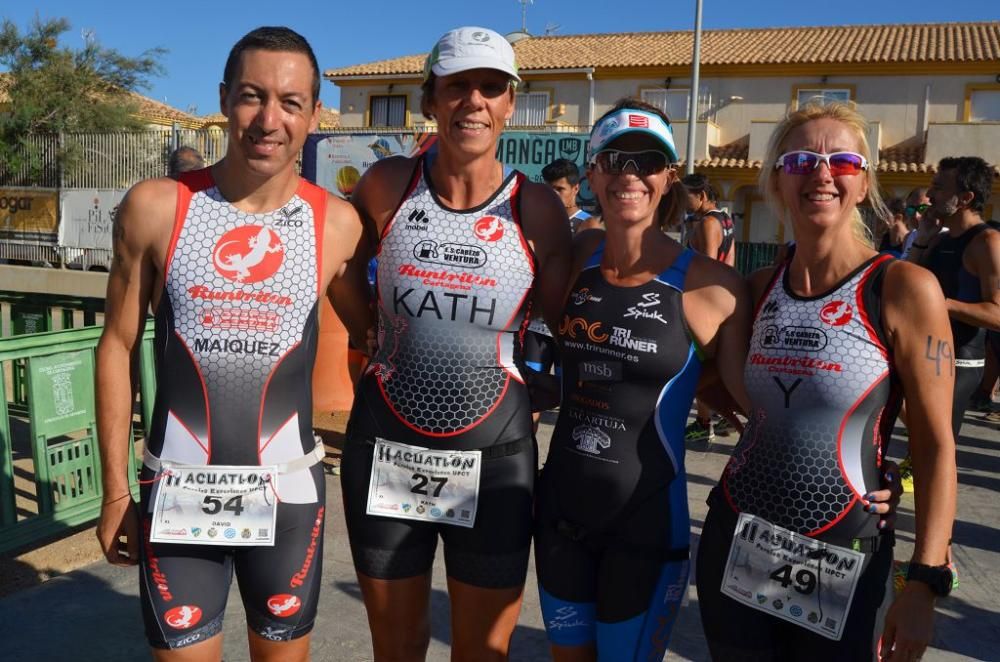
937,577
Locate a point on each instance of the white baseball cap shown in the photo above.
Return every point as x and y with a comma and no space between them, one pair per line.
468,48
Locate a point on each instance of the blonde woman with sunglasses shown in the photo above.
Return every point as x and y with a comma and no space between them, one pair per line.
791,563
643,313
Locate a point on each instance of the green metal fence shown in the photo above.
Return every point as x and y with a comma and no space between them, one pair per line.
50,472
36,313
751,256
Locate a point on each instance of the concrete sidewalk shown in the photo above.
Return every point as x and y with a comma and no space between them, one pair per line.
93,613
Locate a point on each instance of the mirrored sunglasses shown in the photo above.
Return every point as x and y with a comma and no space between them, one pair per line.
802,162
644,163
913,210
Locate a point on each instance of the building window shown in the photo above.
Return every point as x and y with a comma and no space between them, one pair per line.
984,106
388,110
821,95
673,102
530,109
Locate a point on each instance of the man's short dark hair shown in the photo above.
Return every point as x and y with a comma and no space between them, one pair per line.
559,169
280,39
897,206
699,184
972,174
184,159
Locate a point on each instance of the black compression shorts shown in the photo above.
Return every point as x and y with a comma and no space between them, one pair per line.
491,554
623,587
736,632
183,588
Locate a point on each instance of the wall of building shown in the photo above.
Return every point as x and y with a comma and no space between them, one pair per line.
896,102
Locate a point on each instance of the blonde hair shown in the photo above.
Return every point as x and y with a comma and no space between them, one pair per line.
847,115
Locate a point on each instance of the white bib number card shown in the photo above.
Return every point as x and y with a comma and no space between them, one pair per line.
410,482
215,505
791,576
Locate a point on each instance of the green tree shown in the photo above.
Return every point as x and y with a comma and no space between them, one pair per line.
53,89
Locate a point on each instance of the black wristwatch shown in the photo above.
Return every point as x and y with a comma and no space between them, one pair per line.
937,577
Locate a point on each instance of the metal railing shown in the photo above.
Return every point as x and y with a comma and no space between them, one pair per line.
106,160
751,256
50,472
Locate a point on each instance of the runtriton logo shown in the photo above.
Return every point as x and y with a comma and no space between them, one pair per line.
248,254
183,617
300,577
202,292
283,604
488,228
836,313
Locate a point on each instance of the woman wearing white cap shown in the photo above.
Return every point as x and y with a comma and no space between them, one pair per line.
440,438
612,531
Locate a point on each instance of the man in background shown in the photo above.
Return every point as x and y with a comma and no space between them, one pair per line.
563,177
184,159
709,230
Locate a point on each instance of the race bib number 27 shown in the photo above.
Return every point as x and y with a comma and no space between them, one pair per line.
791,576
410,482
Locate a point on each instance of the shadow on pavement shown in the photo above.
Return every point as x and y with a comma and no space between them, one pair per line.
965,629
78,617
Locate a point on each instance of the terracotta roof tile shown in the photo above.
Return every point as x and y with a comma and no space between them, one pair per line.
932,42
151,109
738,149
907,156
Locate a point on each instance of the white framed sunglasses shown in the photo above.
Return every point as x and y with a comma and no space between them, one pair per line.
803,162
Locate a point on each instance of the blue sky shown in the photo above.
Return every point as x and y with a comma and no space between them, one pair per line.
200,34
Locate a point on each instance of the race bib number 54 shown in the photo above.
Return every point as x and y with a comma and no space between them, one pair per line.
215,505
410,482
791,576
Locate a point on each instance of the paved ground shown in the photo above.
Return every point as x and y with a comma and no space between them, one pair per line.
92,613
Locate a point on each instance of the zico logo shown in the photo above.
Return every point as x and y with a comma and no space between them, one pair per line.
248,254
836,313
183,617
283,605
570,326
488,228
299,577
153,563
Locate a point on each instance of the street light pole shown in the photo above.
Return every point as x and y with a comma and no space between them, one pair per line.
693,100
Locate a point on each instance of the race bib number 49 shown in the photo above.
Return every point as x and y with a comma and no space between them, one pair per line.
791,576
410,482
215,505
